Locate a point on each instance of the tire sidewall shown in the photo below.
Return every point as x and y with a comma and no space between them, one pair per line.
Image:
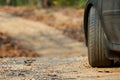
96,41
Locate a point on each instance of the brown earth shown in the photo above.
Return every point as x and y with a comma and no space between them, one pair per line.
68,20
62,58
9,47
60,18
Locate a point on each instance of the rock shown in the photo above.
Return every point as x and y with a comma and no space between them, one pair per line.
52,74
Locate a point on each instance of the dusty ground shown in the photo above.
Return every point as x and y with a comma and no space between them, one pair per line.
9,47
68,20
62,57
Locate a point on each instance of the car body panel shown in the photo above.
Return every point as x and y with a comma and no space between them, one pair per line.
111,18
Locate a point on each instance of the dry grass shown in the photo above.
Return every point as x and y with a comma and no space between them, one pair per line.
9,47
68,20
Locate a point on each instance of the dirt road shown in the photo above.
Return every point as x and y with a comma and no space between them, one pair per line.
62,58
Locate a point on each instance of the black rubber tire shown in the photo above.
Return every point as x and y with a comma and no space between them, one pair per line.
96,42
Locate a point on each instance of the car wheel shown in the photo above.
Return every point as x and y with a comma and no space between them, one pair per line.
96,41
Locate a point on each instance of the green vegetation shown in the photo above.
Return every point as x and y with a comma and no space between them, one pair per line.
19,2
81,3
78,3
2,2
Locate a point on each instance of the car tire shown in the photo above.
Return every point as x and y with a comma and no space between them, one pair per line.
96,41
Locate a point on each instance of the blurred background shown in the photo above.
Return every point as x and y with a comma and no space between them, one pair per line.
56,28
44,3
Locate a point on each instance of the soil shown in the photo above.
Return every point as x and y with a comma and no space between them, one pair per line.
61,57
9,47
68,20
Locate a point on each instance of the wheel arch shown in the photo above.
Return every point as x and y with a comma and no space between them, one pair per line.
86,14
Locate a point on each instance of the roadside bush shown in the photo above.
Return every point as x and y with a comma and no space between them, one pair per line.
2,2
77,3
81,3
19,2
